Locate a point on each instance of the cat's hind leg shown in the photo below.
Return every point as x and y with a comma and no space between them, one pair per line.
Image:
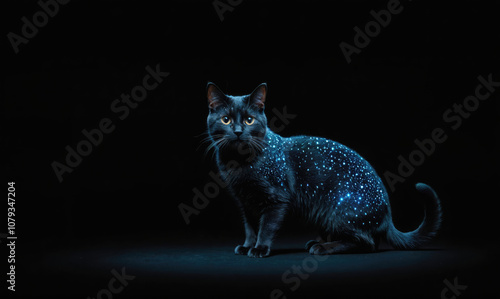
322,238
310,244
361,243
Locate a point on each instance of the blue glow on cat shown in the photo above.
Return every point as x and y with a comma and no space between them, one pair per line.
353,176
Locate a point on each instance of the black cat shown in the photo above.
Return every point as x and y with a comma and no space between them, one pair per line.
324,181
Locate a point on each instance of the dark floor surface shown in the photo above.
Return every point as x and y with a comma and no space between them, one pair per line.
207,268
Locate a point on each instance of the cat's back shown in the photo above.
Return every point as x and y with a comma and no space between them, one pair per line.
320,153
326,161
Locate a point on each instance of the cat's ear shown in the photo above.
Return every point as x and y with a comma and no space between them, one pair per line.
258,96
215,96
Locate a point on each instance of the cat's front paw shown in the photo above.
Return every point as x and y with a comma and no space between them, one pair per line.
259,251
240,249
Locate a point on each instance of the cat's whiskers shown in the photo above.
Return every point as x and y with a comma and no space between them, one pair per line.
215,144
216,141
258,144
206,139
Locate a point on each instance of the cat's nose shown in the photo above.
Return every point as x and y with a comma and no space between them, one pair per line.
238,133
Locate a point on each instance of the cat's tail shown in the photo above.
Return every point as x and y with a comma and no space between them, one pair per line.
427,229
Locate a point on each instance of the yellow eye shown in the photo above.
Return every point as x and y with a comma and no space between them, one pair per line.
225,120
250,120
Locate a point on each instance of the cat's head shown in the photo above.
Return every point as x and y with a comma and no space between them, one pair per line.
237,123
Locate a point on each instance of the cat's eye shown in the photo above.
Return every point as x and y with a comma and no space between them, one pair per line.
249,120
225,120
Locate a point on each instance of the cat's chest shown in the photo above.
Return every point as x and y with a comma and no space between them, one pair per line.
265,172
272,167
262,179
261,185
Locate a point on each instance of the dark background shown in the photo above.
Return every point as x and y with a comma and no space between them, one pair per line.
127,191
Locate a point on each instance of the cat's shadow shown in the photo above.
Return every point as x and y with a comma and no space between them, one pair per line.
283,251
288,251
409,250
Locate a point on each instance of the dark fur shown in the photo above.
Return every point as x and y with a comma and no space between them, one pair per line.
327,183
